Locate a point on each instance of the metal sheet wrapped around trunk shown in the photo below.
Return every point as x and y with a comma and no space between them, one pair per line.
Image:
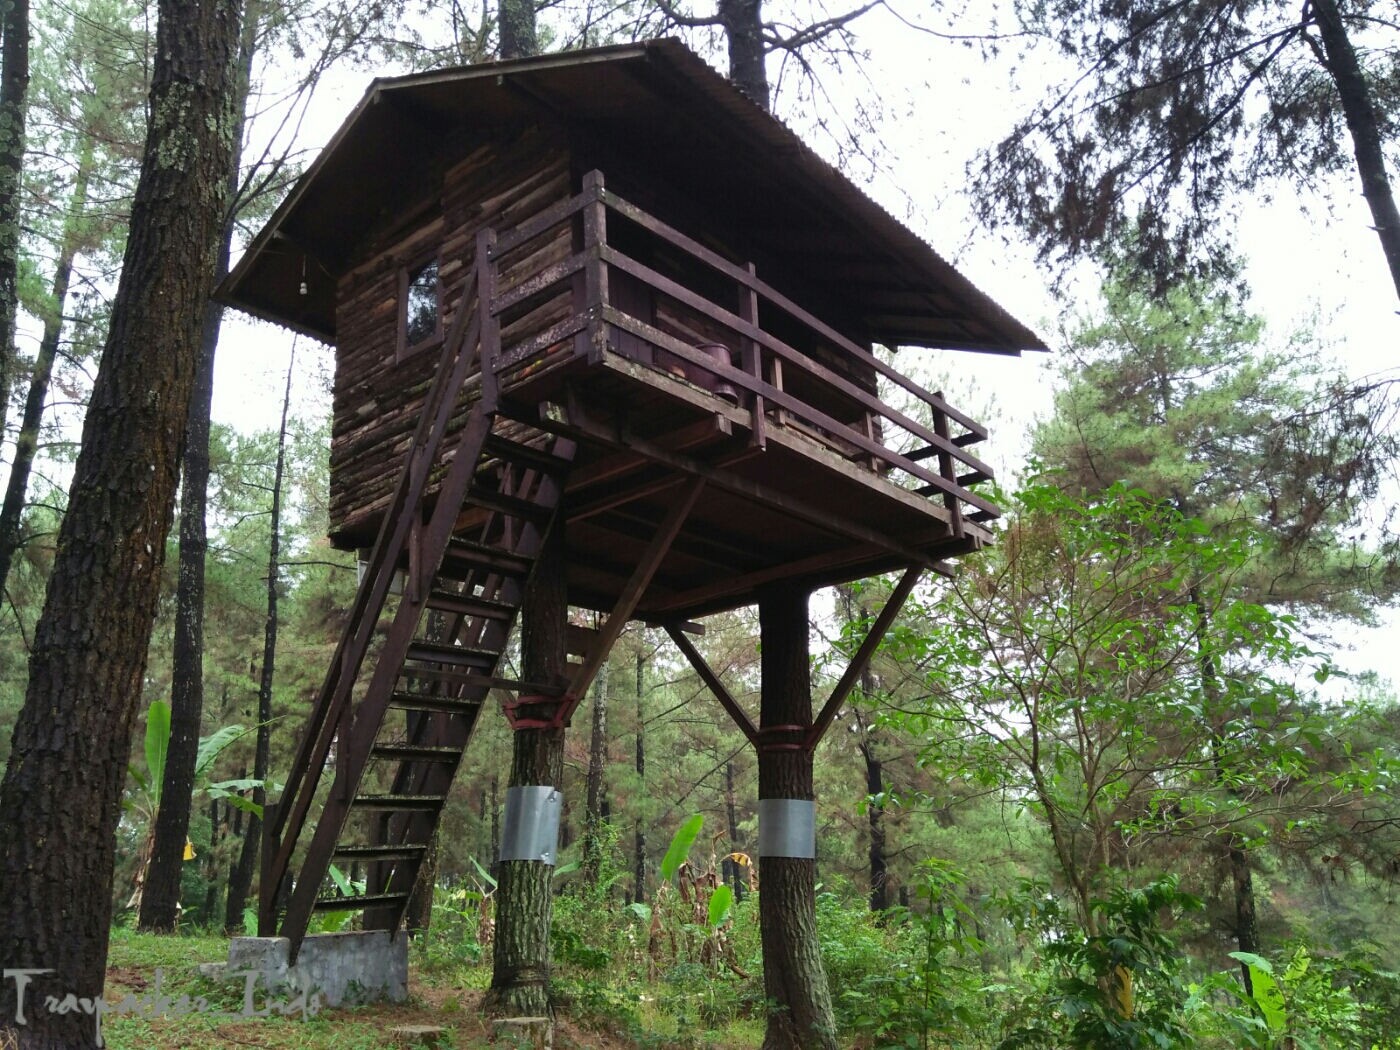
787,827
530,830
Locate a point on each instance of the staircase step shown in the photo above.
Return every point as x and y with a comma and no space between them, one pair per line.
404,701
477,681
511,505
399,802
466,605
461,655
373,853
525,455
480,556
415,753
360,903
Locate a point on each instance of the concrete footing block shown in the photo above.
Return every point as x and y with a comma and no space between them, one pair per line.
346,968
537,1033
412,1036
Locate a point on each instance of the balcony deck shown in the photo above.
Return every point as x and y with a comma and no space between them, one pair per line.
804,474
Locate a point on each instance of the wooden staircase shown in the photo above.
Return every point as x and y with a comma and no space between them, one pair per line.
393,719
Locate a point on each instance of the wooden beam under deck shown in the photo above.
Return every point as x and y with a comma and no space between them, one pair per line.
752,490
691,543
817,571
784,437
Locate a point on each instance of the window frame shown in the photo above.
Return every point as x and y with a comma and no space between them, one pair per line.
404,349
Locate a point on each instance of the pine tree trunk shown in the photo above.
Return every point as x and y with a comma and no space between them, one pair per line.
419,914
1246,921
516,22
793,976
520,961
874,785
597,759
14,87
879,869
27,443
160,900
1364,126
743,29
239,883
639,846
60,802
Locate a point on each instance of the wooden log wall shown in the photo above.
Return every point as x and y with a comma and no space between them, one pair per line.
377,399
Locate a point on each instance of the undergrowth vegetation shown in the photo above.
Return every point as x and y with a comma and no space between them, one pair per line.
1000,973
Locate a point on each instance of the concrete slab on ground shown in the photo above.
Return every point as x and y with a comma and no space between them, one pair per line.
348,969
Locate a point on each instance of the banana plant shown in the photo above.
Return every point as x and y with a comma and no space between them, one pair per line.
145,802
693,902
157,744
333,921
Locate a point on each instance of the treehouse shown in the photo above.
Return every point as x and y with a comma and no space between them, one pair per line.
598,291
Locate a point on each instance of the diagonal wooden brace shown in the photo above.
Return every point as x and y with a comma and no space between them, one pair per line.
861,660
708,676
636,587
801,738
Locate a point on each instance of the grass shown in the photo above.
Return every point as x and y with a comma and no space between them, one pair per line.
445,996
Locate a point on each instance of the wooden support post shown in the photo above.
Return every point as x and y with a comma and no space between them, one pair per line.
861,660
490,324
947,470
595,235
753,360
708,676
868,428
794,980
636,586
775,379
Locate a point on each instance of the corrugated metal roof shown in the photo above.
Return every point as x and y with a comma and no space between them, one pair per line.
711,139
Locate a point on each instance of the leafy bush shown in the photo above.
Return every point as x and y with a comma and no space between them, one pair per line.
1305,1000
1118,988
903,988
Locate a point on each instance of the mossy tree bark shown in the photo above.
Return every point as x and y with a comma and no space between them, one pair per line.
419,914
793,976
743,31
60,801
520,958
160,896
515,20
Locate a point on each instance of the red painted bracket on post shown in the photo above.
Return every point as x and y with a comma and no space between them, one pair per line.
567,704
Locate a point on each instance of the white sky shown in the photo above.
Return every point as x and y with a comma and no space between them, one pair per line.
942,103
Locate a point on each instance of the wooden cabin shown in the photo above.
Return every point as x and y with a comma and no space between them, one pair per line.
652,312
717,216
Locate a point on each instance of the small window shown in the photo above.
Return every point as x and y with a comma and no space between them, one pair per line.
421,319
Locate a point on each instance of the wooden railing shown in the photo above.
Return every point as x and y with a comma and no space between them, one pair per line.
939,463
